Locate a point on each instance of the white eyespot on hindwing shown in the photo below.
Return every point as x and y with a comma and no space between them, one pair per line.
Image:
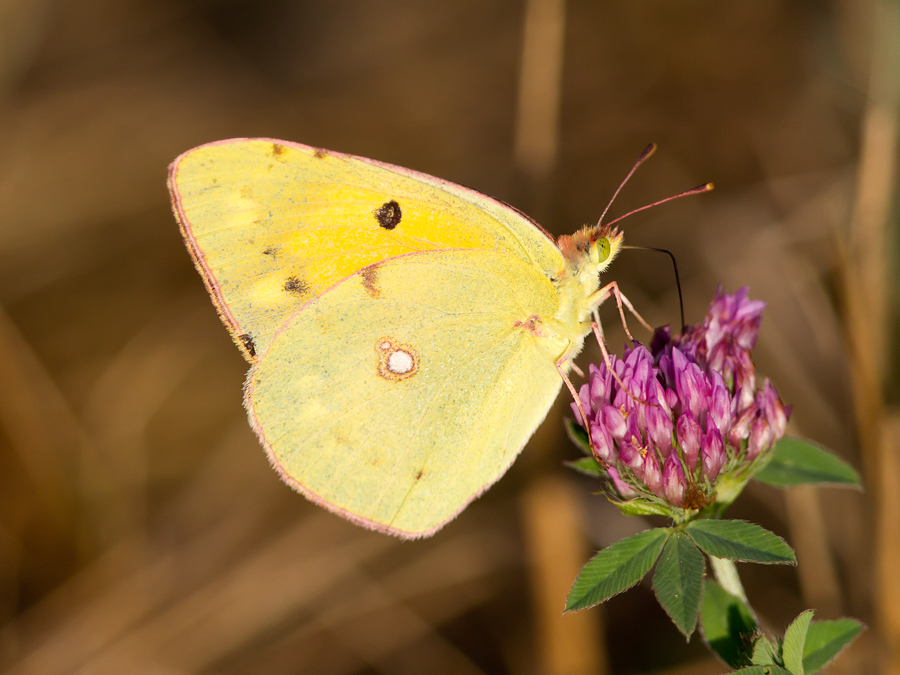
396,361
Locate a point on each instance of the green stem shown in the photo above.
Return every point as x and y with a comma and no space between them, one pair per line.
727,576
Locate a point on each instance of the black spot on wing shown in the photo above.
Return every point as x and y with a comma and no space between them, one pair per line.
388,215
249,344
296,285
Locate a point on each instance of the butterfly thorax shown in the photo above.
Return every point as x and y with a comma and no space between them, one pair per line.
587,253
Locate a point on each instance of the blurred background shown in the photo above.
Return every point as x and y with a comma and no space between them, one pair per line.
141,528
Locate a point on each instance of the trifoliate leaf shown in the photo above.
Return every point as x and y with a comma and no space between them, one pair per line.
728,625
678,581
616,568
739,540
796,461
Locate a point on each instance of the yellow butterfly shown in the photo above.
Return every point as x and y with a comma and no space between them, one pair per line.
407,335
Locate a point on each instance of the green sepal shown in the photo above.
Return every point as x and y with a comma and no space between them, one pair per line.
643,507
588,466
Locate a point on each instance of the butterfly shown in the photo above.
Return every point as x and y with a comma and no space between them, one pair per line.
406,335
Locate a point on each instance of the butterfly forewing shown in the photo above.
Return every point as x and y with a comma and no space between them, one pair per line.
272,224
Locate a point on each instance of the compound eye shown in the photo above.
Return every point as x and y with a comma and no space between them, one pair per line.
601,250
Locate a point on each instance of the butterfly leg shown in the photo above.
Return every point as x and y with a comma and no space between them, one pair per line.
612,288
576,398
595,300
597,327
571,387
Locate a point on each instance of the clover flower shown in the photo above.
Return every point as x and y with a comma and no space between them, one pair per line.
685,411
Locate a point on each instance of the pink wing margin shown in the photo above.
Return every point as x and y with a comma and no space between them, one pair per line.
209,279
337,510
193,247
212,286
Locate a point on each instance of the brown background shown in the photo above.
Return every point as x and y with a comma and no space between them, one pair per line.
141,529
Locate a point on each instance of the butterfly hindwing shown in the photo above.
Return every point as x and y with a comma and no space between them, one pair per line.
399,395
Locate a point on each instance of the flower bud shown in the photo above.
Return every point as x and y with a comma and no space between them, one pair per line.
653,474
688,432
577,413
692,386
740,427
673,480
599,379
720,404
761,437
623,488
659,429
631,450
602,444
613,419
713,453
776,412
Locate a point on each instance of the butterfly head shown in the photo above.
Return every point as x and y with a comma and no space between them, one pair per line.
592,248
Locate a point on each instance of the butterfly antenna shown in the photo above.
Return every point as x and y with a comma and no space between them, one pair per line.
700,189
677,276
649,150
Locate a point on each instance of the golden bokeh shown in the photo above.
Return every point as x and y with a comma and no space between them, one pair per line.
141,528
